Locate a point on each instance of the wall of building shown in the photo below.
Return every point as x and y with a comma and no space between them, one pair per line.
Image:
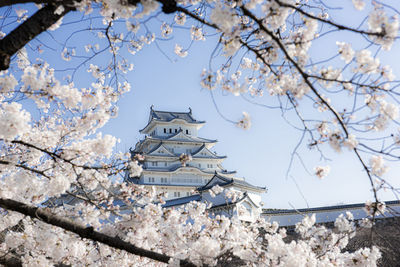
327,214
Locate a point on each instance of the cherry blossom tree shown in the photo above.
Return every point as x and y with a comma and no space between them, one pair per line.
51,145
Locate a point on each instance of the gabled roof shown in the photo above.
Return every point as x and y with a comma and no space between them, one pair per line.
185,200
173,138
207,152
181,201
169,116
179,136
158,148
225,181
182,137
229,202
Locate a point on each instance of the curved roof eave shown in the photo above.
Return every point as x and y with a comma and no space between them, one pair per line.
170,121
190,139
203,147
176,169
231,181
157,147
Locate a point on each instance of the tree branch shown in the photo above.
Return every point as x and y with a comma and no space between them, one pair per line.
15,2
28,30
84,232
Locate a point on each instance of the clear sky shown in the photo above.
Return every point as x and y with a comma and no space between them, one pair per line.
261,154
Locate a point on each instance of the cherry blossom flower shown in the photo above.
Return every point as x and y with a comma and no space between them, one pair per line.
359,4
179,51
377,165
245,122
322,171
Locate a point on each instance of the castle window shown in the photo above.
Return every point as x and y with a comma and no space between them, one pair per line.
151,179
170,130
154,163
187,131
187,193
177,194
165,130
165,164
176,130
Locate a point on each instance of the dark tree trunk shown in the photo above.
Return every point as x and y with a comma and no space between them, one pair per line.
28,30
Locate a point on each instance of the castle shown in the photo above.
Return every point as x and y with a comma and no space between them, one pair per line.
178,162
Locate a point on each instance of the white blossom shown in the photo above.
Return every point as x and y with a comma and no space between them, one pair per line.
374,208
378,22
14,121
224,17
180,51
216,190
166,30
134,168
180,18
345,51
244,122
350,142
322,171
197,34
366,63
359,4
377,165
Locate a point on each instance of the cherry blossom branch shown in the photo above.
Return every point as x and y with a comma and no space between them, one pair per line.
336,25
25,168
85,232
298,68
28,30
313,89
15,2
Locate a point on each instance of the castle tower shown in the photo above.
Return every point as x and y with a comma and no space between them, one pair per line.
176,159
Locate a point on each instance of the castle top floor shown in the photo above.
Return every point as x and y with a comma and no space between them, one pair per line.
165,123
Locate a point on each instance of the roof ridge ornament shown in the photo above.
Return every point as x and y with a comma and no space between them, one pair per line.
190,110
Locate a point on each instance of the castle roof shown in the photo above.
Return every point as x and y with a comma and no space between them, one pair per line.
198,198
230,202
180,137
323,209
170,116
204,152
227,181
180,168
181,201
160,147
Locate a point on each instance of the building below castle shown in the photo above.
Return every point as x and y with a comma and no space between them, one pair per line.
327,214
